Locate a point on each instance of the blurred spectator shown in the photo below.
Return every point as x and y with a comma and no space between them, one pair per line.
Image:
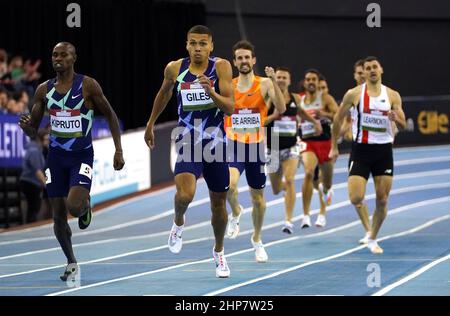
32,179
3,62
16,68
19,75
4,97
16,104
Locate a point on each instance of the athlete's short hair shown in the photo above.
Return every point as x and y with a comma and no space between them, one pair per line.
200,29
313,71
359,63
243,44
283,68
370,58
322,78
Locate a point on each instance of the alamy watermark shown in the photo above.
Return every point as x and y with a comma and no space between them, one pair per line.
374,18
374,277
74,17
212,145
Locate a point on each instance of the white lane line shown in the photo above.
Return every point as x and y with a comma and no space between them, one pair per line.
340,254
413,275
206,200
282,241
199,202
97,213
249,209
265,227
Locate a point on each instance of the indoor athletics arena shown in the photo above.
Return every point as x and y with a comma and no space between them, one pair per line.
252,149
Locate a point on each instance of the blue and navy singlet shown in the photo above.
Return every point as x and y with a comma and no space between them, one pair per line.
197,112
70,120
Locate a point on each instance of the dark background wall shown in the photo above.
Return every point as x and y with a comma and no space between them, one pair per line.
125,44
413,42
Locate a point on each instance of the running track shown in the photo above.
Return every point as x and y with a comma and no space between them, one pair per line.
124,252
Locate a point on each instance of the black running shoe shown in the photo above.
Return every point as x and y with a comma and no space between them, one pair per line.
70,272
85,220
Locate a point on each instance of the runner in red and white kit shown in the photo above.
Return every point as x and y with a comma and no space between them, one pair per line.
315,149
376,107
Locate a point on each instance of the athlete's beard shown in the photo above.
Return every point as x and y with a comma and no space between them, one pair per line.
311,89
245,72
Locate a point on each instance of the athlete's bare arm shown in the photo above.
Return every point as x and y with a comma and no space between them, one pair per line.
95,98
272,117
162,98
350,99
225,100
396,114
270,89
30,123
304,115
330,106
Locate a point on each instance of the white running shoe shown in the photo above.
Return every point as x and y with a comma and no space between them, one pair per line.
233,225
365,239
175,241
321,221
288,228
328,197
260,252
374,247
306,222
222,270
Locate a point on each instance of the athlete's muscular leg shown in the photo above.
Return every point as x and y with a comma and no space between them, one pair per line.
77,201
383,186
276,180
219,217
232,194
61,228
310,162
259,209
289,169
356,192
326,170
186,184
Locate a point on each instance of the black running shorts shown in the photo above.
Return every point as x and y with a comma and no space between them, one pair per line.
375,159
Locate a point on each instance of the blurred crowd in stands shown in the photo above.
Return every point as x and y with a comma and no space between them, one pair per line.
19,78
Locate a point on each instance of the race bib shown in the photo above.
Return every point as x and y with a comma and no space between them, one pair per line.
286,126
66,123
376,122
86,170
48,176
195,98
302,146
246,121
295,150
308,129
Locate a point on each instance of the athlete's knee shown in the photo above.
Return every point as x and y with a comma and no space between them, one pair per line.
184,197
258,202
382,202
289,181
276,189
75,207
309,174
218,204
357,200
